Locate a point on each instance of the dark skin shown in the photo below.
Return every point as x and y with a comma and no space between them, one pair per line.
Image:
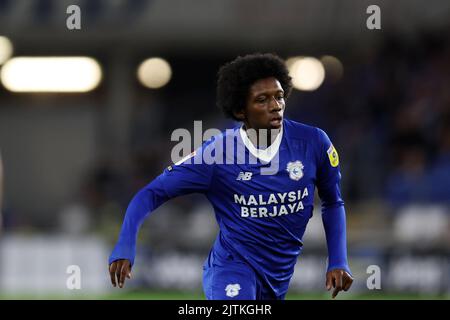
264,109
119,270
338,279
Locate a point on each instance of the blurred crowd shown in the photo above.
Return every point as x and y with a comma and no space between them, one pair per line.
388,116
390,119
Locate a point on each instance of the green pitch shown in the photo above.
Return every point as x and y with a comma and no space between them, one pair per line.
293,296
172,295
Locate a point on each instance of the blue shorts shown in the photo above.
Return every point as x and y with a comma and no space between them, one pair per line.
231,279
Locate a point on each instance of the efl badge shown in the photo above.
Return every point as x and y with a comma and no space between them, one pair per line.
295,170
333,156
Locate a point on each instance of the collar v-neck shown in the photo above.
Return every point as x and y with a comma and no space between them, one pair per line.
267,154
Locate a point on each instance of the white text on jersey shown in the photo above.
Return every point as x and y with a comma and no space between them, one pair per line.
245,176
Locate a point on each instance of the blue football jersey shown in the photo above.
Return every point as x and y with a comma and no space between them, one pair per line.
262,199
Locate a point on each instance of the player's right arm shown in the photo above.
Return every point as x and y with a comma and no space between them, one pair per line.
192,175
143,203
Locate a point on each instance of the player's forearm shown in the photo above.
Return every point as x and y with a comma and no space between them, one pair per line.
143,203
334,222
335,231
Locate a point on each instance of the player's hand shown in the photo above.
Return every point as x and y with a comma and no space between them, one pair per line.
338,279
119,270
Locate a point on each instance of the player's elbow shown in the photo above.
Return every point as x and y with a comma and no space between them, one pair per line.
332,204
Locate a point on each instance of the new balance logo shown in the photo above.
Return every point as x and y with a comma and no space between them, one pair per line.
245,176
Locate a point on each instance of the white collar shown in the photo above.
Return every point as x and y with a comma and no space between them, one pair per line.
267,154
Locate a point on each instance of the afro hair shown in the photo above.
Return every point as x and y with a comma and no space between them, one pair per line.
236,77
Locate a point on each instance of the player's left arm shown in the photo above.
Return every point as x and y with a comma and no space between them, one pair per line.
338,274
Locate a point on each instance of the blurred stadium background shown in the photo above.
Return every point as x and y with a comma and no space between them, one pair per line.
73,160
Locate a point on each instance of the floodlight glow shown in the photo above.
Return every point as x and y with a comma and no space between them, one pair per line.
307,73
154,73
333,67
51,74
6,49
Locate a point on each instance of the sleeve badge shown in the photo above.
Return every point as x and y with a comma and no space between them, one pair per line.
333,156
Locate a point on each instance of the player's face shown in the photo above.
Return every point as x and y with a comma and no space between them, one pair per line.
265,105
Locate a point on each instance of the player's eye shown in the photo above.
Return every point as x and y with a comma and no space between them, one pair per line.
261,99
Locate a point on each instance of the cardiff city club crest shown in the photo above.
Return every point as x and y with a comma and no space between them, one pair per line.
233,290
295,170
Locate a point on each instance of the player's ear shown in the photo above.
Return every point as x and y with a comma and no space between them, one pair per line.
239,114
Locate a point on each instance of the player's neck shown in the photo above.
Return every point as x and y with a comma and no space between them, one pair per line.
261,138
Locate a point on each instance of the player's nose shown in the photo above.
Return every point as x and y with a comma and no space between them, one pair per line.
274,105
